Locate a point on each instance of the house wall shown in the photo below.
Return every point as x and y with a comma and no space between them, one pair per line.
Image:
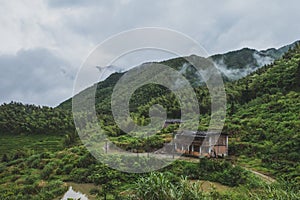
220,150
220,147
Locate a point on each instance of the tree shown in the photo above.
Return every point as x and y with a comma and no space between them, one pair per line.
107,180
4,158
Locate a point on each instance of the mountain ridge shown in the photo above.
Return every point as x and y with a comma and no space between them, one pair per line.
233,65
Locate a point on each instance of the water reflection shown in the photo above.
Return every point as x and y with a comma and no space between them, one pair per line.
71,194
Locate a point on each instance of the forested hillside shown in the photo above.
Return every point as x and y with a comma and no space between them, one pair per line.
262,119
232,65
263,123
265,120
16,118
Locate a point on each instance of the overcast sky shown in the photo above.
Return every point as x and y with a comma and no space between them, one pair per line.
43,43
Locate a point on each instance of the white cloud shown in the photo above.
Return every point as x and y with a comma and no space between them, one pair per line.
35,76
70,29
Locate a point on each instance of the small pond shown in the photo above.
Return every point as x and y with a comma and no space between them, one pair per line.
72,194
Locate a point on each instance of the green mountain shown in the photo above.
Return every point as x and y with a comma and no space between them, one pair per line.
262,121
262,110
264,116
232,65
238,64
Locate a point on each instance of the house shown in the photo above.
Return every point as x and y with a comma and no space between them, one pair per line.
198,143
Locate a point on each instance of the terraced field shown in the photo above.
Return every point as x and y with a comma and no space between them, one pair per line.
36,143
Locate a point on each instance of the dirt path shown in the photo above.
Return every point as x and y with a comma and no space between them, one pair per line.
266,178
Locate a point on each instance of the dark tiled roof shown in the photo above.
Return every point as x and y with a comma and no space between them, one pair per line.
173,121
197,133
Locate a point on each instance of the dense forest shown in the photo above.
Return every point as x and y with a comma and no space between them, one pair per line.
263,123
16,118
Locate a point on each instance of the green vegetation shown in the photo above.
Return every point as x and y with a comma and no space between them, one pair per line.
267,125
34,143
40,150
161,186
42,176
16,118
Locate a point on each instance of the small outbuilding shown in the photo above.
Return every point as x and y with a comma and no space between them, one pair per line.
171,121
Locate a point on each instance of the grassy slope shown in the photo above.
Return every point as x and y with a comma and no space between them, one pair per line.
9,144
